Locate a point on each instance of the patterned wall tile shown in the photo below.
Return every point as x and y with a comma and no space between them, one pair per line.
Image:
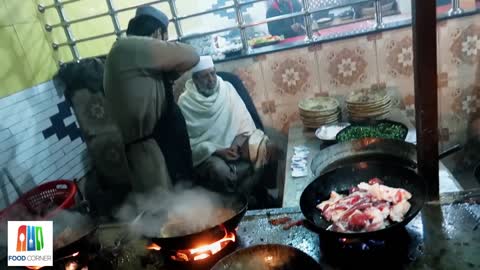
347,65
249,70
290,76
395,65
459,85
284,115
39,140
459,46
60,127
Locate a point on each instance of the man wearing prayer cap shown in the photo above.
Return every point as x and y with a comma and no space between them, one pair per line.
149,21
138,87
227,147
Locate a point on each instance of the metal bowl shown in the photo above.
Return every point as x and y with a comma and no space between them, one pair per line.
329,132
373,124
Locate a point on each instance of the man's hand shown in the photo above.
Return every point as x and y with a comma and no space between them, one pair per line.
228,154
298,28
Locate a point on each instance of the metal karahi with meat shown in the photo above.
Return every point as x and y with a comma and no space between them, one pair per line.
368,207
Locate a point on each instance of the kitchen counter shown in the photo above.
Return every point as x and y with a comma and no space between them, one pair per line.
436,238
298,136
443,236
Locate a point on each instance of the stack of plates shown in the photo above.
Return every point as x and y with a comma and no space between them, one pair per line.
316,112
367,104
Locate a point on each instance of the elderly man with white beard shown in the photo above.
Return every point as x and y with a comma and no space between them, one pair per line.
228,151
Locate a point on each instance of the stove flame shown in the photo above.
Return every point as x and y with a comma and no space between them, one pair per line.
212,248
204,251
154,246
201,257
71,266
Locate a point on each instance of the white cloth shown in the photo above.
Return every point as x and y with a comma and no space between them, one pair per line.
205,62
214,122
257,148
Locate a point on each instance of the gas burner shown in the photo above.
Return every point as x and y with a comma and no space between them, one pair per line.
361,245
70,262
392,248
203,256
87,255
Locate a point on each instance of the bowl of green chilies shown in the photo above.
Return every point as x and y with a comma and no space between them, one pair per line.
384,129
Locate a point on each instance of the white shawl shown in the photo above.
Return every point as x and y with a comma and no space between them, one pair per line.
214,122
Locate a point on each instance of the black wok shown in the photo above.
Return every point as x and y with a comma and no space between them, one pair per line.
73,232
267,257
370,149
236,202
341,179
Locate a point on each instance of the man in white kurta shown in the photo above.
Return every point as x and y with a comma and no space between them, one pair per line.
226,145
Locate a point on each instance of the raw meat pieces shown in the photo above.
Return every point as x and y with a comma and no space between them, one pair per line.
368,207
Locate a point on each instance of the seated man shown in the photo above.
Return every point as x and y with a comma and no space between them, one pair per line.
227,148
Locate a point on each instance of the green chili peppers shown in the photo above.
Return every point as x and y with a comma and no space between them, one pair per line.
382,130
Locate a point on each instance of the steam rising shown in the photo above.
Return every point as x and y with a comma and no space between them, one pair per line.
174,212
69,225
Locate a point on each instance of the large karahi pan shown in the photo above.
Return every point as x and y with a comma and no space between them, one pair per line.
392,151
341,179
155,222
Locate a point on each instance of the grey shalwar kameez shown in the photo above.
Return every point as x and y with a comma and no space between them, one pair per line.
135,89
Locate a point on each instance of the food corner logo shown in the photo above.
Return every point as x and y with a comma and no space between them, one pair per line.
30,243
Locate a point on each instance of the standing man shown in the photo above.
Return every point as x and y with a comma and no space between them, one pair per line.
287,28
138,86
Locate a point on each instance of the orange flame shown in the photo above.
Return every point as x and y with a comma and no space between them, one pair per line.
201,257
205,251
71,266
202,251
34,267
154,246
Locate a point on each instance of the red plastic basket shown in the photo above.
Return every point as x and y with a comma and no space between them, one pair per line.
44,201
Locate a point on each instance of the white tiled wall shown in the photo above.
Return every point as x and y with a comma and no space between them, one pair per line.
24,151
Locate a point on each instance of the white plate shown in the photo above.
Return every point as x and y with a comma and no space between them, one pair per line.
329,132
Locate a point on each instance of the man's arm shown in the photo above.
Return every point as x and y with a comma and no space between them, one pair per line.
158,55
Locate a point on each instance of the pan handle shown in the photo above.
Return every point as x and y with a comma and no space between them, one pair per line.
444,154
450,151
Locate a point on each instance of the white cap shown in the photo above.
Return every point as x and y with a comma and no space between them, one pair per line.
206,62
